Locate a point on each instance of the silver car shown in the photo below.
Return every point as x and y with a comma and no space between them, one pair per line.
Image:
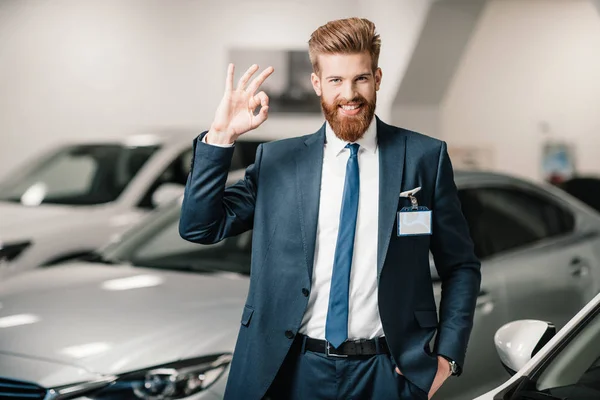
540,253
78,196
148,316
131,321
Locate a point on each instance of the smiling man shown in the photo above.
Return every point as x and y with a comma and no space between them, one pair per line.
341,302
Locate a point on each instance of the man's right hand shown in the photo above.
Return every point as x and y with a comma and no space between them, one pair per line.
235,114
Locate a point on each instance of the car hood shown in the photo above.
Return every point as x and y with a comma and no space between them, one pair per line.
46,374
110,319
18,221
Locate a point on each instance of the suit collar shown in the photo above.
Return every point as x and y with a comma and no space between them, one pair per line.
317,137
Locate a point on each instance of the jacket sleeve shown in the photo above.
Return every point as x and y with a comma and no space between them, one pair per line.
210,212
456,263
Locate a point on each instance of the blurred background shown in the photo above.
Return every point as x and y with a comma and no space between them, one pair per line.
497,79
100,101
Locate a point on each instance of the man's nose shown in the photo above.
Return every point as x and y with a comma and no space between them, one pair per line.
349,92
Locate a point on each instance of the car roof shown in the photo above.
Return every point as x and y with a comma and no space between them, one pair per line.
149,137
466,177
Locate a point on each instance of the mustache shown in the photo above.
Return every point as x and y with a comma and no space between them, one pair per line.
355,100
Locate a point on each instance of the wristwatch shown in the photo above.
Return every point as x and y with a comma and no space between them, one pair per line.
453,366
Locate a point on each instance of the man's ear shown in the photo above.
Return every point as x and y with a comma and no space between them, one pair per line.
378,76
316,83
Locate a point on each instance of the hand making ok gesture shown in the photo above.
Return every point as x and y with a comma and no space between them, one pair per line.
235,114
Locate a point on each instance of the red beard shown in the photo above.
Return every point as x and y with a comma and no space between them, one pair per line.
349,128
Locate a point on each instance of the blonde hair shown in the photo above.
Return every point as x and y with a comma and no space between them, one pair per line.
345,36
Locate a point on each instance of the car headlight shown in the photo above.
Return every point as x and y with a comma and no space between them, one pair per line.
168,382
10,251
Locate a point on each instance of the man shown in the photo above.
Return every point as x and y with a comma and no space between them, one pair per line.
341,303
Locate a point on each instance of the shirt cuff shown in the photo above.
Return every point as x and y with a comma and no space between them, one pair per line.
215,144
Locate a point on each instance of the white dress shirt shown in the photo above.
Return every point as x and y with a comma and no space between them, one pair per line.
364,321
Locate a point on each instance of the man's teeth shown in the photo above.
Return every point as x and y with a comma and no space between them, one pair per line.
350,107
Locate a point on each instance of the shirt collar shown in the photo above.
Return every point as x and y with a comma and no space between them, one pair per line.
368,141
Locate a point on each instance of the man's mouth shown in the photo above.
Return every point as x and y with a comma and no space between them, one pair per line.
350,109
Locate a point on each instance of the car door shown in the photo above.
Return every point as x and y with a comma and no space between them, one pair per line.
481,371
571,370
542,258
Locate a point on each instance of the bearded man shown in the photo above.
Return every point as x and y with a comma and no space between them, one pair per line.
341,303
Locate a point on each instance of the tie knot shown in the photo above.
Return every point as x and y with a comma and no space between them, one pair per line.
353,148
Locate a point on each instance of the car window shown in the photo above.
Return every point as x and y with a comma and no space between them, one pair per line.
502,219
78,175
175,173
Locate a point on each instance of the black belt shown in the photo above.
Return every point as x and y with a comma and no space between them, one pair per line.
361,347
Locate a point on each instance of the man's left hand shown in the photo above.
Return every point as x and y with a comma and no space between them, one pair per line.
443,373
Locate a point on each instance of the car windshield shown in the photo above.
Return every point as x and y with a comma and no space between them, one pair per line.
156,243
77,175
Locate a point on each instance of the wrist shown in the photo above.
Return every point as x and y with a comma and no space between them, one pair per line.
219,138
451,364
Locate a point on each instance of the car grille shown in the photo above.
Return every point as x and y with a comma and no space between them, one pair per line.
16,390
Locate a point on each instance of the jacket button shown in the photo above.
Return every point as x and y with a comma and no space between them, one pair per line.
305,292
289,334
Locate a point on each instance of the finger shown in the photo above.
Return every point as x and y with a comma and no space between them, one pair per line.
246,77
262,99
259,80
398,371
261,117
229,79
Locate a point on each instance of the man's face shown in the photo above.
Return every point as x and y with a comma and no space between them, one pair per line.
347,87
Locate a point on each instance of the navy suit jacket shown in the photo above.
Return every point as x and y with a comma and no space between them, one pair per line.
279,199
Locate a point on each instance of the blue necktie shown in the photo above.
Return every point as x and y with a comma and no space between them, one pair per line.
336,328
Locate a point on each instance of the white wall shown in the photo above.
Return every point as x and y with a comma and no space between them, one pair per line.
423,118
71,68
529,61
437,54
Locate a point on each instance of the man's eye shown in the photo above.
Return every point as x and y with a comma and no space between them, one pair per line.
334,80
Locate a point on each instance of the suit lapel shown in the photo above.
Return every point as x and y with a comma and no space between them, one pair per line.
392,152
309,165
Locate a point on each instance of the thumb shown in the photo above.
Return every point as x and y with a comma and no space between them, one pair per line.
262,116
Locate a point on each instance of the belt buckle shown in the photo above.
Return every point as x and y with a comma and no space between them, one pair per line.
329,354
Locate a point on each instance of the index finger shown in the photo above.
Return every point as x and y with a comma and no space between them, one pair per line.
259,80
229,79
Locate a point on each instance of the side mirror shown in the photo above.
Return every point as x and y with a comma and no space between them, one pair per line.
166,193
518,341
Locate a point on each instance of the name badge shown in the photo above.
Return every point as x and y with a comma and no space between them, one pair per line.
414,220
